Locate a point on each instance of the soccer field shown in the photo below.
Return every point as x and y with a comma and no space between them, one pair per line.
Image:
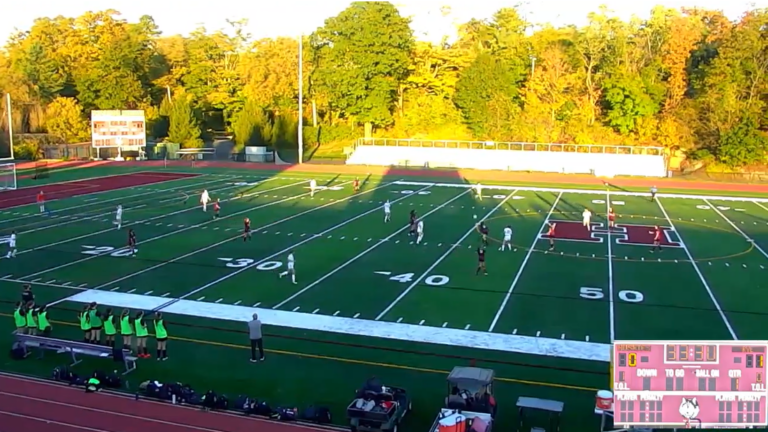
359,275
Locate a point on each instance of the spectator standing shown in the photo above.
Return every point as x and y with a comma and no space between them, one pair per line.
254,330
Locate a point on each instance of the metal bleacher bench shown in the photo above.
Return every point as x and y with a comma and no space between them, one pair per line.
73,348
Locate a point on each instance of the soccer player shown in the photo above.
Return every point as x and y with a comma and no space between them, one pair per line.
119,216
507,242
387,211
484,233
551,235
653,193
216,208
419,231
481,261
41,201
312,187
656,238
611,218
479,191
246,229
586,217
205,199
291,268
12,245
412,223
132,241
356,184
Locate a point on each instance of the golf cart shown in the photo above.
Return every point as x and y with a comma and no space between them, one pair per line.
378,408
470,398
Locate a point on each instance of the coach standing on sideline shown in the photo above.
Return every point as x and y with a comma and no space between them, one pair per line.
254,330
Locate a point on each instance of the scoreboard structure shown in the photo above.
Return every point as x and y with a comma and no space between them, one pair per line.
698,384
122,129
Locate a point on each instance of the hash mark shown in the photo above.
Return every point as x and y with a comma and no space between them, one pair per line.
445,324
296,308
538,333
336,313
422,322
51,281
257,304
148,292
467,326
35,280
66,283
201,298
400,319
166,294
587,338
316,311
514,332
82,285
562,336
130,291
238,302
115,289
356,315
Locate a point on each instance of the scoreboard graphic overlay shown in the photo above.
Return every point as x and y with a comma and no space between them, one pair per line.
704,384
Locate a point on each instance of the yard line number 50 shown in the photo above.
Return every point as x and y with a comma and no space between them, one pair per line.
598,294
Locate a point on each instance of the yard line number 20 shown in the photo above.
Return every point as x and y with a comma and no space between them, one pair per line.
598,294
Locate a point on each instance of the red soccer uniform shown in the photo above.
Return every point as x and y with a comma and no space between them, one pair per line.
657,235
551,231
216,207
40,197
131,239
357,184
611,216
247,225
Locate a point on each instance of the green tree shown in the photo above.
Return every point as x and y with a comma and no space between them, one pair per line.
363,57
64,118
743,145
184,126
248,126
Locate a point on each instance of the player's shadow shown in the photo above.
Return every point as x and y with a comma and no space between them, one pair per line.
615,187
332,180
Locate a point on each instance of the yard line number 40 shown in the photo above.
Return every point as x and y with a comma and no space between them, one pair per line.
598,294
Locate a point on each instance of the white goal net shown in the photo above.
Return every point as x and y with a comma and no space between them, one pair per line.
7,176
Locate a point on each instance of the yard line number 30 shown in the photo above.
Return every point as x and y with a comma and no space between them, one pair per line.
598,294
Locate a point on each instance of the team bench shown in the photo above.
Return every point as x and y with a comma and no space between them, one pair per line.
73,348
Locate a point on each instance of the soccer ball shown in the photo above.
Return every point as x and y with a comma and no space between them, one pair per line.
474,216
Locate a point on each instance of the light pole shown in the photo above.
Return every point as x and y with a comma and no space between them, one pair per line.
301,98
10,121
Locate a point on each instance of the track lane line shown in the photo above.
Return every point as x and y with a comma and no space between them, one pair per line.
439,260
523,264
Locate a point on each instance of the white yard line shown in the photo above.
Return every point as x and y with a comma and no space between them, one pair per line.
203,249
365,252
78,219
165,215
439,260
124,198
611,310
523,264
761,206
309,239
66,285
743,234
166,234
698,272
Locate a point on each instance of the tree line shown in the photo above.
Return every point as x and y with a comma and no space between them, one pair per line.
689,80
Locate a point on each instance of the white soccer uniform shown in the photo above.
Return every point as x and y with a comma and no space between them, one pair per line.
419,232
312,187
11,246
586,216
119,216
205,199
291,268
507,238
387,211
479,190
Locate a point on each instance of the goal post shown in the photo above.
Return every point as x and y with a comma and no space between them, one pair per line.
7,176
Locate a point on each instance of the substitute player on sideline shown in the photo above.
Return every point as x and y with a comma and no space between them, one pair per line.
205,199
246,229
119,216
12,245
586,219
291,268
419,231
507,242
312,188
387,211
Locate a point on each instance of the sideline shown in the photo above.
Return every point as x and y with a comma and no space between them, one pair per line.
352,361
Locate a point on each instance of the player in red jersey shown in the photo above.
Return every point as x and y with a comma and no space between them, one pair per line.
41,201
246,229
356,184
412,223
611,218
132,241
551,235
481,261
656,238
216,209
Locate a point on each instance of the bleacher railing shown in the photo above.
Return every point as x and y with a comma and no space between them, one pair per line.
512,146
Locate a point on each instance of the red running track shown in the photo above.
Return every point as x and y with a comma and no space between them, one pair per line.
34,405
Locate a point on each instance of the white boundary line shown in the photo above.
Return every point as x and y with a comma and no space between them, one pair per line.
584,191
523,264
761,206
361,254
285,219
439,260
149,220
127,197
611,305
308,239
151,239
750,240
698,271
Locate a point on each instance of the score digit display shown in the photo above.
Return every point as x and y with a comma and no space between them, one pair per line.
698,384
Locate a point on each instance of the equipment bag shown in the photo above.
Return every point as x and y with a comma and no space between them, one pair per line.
17,351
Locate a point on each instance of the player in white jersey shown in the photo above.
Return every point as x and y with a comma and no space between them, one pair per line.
12,245
507,242
419,231
291,268
479,191
586,216
312,188
119,216
205,199
387,211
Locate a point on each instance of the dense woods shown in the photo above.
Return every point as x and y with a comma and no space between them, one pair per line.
688,80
